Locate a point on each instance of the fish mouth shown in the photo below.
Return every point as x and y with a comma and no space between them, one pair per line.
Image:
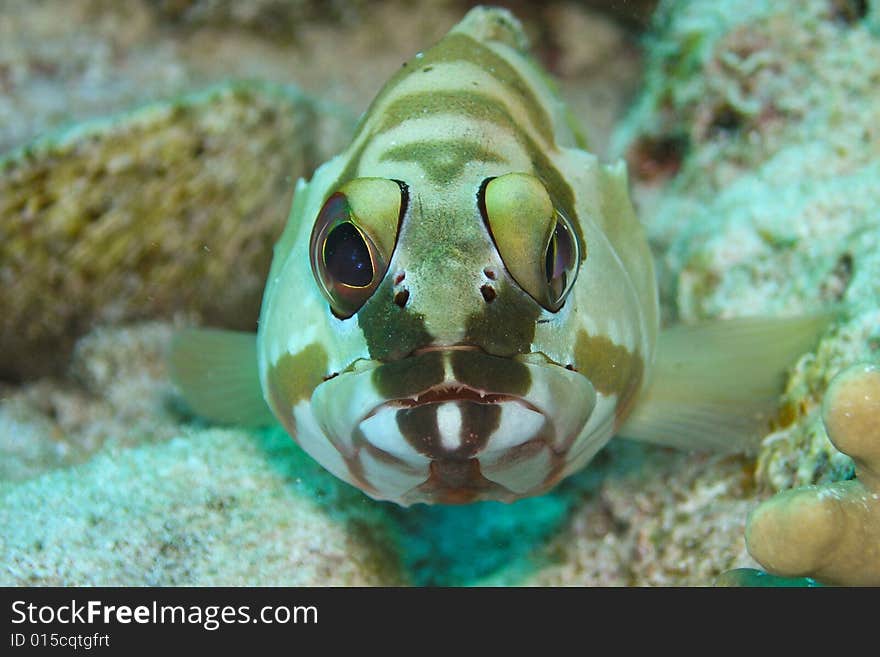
454,425
453,392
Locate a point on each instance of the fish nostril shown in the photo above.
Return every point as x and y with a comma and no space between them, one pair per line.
398,278
488,293
490,273
401,297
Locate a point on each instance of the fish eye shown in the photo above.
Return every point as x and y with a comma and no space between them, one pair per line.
353,239
560,261
536,241
347,256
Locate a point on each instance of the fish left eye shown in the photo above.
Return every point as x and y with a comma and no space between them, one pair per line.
353,239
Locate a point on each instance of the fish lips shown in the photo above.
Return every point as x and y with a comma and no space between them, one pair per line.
453,405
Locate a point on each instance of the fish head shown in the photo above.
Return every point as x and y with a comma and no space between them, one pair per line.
446,320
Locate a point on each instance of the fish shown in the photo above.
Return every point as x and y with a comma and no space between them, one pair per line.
463,304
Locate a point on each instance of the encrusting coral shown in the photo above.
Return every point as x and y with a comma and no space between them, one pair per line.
142,214
754,154
831,532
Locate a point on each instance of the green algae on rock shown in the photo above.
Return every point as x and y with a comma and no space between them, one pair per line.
172,207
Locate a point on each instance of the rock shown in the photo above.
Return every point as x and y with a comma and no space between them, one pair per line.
211,507
117,394
173,207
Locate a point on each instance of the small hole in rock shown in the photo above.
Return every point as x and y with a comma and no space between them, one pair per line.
848,11
727,120
488,293
657,157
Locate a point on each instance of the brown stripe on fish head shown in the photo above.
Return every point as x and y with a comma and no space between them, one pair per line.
611,368
490,373
419,427
506,326
293,378
463,48
478,422
391,331
442,160
408,377
466,104
353,462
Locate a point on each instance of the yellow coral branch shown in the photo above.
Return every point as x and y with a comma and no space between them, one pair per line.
831,532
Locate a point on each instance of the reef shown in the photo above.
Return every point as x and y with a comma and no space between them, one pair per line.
753,149
218,507
755,155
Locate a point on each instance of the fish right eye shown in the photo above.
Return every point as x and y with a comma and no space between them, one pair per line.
348,256
353,239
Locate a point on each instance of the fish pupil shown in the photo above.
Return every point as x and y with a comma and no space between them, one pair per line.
347,256
559,259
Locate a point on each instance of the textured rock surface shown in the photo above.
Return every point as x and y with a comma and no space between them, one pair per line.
174,207
217,507
117,395
658,518
755,149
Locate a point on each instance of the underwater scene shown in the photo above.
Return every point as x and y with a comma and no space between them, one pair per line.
349,293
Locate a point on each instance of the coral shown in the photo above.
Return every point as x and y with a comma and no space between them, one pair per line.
831,532
755,155
173,207
281,20
63,63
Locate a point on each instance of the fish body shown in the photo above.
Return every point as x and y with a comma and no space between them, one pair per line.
462,306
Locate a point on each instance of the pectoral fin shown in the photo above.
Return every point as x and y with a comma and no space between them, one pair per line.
216,371
716,385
